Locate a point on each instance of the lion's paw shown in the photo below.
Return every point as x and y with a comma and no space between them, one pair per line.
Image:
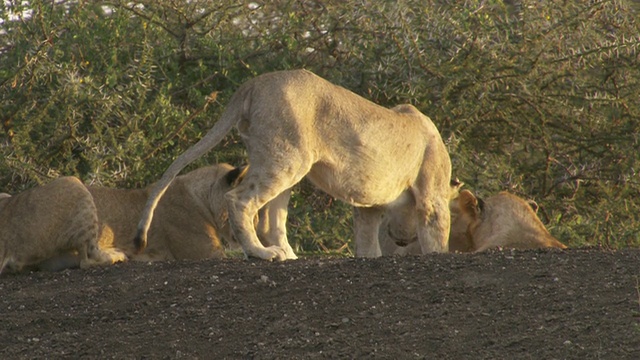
270,253
103,257
116,256
289,254
276,253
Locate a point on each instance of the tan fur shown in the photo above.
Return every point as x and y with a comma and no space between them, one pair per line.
406,236
295,125
191,219
501,221
504,220
42,222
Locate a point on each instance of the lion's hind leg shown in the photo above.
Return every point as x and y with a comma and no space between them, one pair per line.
259,187
92,255
98,256
62,261
84,236
272,224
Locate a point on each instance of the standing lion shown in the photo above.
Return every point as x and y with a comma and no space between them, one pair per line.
295,124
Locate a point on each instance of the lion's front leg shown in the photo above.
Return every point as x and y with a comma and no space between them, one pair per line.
366,224
434,221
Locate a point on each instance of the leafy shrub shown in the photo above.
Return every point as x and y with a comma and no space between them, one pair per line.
538,98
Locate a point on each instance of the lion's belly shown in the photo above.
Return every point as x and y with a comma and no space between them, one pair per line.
360,188
368,169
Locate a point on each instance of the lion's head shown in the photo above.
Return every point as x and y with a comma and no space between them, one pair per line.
401,222
502,220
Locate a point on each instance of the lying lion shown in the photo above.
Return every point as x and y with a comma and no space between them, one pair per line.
504,220
45,221
295,125
501,221
191,217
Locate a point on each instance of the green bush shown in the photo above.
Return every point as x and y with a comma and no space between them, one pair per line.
537,98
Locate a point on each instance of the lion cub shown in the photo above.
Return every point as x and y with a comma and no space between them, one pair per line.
45,221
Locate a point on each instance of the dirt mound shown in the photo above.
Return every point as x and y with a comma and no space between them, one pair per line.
575,304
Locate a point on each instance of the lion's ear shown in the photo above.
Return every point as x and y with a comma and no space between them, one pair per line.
235,176
455,187
469,203
534,205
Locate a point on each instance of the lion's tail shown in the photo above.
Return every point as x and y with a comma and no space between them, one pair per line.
237,105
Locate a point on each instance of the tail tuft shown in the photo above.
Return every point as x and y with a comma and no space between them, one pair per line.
235,176
140,241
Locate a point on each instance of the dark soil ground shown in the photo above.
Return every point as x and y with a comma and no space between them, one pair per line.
575,304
